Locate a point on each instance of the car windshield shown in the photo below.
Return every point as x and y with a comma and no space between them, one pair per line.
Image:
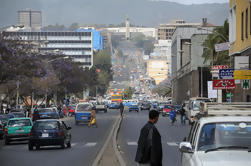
19,122
83,107
216,135
45,110
46,125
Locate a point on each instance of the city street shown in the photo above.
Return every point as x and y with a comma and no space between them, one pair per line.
171,136
86,143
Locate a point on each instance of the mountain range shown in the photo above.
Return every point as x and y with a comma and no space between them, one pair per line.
140,12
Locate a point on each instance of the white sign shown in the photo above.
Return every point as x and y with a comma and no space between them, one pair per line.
222,47
211,93
241,62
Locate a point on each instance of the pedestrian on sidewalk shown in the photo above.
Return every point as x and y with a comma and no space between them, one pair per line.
149,151
172,116
121,107
183,114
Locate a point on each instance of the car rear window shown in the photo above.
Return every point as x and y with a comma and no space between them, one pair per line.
83,107
46,125
46,110
19,122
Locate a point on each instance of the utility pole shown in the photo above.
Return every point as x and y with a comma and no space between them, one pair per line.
17,99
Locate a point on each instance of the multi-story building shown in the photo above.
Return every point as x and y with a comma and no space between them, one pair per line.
163,49
157,69
30,19
148,32
165,31
240,43
189,72
77,45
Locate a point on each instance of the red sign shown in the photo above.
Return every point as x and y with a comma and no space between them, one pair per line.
218,67
223,84
98,70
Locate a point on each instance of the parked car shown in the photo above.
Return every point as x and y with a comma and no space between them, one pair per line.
10,116
18,114
71,110
167,109
48,113
4,119
49,132
1,129
145,106
161,106
134,107
17,129
114,105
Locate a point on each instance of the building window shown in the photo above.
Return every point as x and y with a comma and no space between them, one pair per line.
242,26
246,23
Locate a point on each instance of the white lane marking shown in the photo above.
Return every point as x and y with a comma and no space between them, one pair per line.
132,143
172,144
90,144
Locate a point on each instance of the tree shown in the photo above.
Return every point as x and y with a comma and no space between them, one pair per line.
73,27
127,93
219,35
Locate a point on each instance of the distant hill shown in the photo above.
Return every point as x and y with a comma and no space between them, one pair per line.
140,12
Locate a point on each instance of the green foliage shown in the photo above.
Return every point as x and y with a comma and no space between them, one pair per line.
147,43
127,93
219,35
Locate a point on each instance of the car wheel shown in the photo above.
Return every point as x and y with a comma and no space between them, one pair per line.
6,141
69,144
37,147
63,146
30,146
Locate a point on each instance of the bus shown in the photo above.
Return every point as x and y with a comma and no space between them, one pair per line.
116,98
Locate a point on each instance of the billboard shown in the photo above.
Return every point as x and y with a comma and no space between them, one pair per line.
223,84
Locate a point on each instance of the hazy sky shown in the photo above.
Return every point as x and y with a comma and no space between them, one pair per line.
198,1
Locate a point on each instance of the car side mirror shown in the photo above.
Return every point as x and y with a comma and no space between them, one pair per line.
186,147
68,128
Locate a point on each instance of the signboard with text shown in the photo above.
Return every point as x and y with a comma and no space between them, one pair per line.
211,93
242,74
218,67
222,47
223,84
226,74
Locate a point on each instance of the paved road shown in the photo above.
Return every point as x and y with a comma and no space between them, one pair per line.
171,135
86,143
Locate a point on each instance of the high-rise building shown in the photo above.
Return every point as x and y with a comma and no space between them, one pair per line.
30,19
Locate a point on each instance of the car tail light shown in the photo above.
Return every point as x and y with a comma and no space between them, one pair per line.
6,130
60,133
30,134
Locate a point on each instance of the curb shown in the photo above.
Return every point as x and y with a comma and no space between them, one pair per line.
101,152
115,145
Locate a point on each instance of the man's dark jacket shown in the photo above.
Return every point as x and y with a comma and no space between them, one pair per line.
149,146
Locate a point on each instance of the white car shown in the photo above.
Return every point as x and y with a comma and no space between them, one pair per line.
223,141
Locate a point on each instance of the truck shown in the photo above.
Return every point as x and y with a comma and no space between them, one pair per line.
193,107
220,135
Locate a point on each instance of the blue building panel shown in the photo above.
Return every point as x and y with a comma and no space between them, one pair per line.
97,38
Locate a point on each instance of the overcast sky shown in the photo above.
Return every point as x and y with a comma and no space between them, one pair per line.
198,1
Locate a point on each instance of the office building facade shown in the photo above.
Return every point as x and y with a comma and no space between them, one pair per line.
77,45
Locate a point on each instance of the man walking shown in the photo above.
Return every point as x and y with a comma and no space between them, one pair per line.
121,107
183,114
149,151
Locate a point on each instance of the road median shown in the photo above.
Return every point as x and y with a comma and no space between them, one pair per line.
109,153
